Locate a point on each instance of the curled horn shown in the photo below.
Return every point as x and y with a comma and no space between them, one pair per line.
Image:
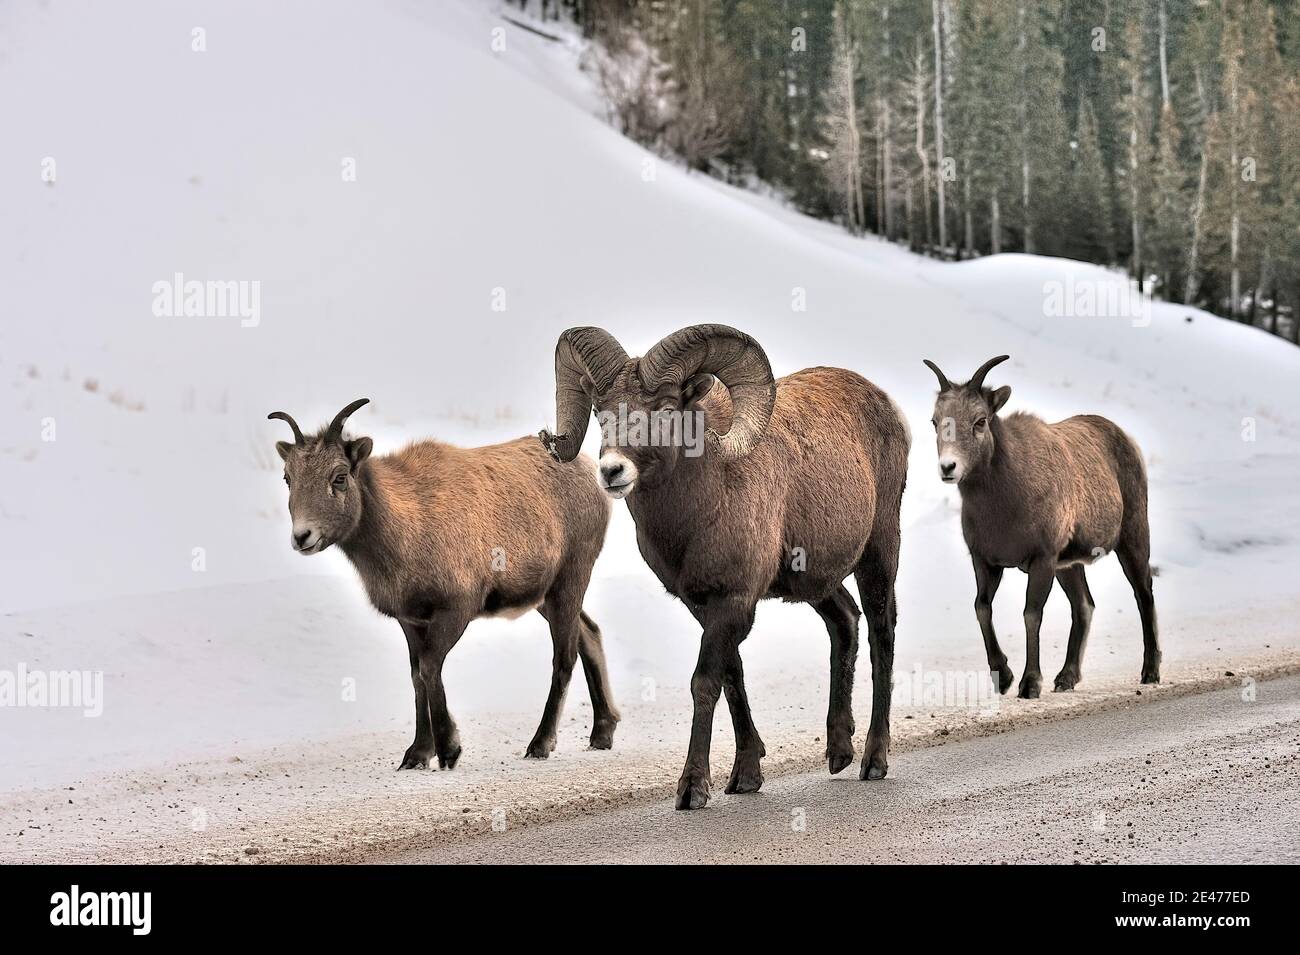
335,430
944,383
733,358
297,432
586,353
977,380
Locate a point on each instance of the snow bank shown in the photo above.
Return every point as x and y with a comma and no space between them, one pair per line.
141,503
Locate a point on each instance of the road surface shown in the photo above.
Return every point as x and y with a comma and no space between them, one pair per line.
1205,778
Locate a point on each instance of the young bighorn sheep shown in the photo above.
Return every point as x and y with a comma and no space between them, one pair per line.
1047,498
796,485
443,535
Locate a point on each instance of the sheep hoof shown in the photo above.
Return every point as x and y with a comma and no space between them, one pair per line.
873,770
539,749
1005,678
1150,674
1031,687
448,760
414,759
692,792
1066,680
602,736
836,762
875,762
746,776
838,756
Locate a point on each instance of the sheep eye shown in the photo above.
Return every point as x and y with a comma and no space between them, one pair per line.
981,424
340,481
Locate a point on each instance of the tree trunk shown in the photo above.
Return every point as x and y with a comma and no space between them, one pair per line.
909,215
1023,45
1190,289
887,156
966,211
995,225
1164,53
1234,234
856,211
880,172
938,124
1135,195
918,95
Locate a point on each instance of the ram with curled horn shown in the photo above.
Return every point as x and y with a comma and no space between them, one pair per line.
441,536
745,487
1048,499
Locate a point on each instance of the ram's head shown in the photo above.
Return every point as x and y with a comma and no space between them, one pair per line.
649,407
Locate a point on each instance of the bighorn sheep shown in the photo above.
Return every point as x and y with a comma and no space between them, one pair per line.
443,535
1047,498
796,485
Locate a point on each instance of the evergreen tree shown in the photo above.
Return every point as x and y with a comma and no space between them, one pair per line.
1164,134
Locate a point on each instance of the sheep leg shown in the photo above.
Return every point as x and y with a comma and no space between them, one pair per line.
746,770
592,653
840,615
440,634
875,577
1075,584
1041,574
987,578
564,622
1135,558
418,753
726,623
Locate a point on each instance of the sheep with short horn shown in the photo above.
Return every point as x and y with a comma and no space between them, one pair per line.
443,535
744,487
1048,499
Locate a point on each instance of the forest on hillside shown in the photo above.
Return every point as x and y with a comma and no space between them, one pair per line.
1157,136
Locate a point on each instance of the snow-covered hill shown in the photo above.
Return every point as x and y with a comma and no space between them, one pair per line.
141,508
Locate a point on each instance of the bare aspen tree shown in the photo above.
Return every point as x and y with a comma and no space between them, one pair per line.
886,130
938,123
995,224
1164,53
922,157
1022,45
1135,115
842,122
1191,287
1232,78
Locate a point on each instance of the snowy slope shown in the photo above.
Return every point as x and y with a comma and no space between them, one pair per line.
477,171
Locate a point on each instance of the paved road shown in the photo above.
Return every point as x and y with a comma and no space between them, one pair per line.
1206,778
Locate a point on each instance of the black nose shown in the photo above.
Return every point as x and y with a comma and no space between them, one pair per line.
611,472
948,468
301,539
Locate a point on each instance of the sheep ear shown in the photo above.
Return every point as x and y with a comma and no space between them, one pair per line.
359,450
283,447
999,398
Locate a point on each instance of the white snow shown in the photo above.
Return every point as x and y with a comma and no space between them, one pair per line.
479,171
